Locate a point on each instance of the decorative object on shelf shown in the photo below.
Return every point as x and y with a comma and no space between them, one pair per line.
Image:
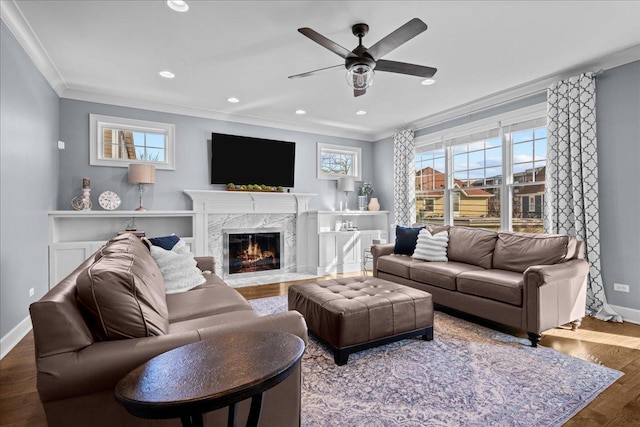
255,187
374,205
366,190
83,203
109,200
347,185
141,174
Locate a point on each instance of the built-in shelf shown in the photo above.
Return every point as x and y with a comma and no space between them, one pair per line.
75,235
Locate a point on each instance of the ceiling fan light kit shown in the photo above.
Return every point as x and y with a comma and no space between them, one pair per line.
361,61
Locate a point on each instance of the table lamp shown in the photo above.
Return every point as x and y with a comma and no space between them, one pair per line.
346,184
141,174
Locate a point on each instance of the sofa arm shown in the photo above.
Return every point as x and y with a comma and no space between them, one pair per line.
206,263
101,365
378,251
289,321
555,294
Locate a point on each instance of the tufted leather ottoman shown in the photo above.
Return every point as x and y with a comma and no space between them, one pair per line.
355,313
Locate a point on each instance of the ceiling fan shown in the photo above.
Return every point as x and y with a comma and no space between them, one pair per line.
362,61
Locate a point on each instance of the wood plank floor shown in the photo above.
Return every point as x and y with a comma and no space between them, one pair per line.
616,345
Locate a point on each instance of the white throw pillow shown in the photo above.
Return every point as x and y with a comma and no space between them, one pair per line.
432,247
178,267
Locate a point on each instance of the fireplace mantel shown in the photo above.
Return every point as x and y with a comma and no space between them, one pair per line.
210,201
212,208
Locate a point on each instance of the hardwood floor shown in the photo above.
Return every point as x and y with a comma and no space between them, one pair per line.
616,345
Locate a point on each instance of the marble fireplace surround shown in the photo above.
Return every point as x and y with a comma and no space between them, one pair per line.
216,211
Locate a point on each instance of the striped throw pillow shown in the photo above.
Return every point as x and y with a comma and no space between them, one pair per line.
432,247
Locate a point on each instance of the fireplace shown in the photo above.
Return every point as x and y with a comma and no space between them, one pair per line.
253,251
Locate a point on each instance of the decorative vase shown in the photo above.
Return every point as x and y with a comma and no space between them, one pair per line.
374,205
362,203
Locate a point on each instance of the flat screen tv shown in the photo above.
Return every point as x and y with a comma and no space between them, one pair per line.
244,160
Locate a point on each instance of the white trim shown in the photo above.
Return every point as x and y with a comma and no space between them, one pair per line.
9,341
630,315
14,19
343,149
504,119
98,122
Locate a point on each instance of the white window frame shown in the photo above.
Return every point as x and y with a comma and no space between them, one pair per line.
356,152
439,140
97,124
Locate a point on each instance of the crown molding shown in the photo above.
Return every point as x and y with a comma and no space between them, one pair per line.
334,131
11,15
531,88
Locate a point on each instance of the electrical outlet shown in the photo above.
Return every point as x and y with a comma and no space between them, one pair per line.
620,287
31,292
61,145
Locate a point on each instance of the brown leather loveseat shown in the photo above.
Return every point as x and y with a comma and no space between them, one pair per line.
532,282
112,314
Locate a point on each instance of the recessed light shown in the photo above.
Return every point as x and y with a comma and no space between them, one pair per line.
178,5
233,100
167,74
427,82
361,112
301,112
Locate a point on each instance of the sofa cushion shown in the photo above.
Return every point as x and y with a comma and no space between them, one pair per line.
178,267
440,274
472,246
498,285
431,247
519,251
406,239
213,297
398,265
122,293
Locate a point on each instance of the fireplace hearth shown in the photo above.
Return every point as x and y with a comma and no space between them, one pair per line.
253,251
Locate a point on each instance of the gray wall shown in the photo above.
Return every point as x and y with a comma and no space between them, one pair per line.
193,145
618,132
28,184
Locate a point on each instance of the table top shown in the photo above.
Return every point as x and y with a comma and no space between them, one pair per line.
209,375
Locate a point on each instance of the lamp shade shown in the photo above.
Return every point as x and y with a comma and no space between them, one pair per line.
346,183
141,173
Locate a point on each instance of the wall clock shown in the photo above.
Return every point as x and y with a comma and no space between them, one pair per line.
109,200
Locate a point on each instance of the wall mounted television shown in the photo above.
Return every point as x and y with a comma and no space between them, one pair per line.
244,160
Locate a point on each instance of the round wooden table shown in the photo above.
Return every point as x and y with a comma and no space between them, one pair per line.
207,375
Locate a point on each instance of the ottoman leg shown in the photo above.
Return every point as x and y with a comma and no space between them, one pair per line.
341,357
428,335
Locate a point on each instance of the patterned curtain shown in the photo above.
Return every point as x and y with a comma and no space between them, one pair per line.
571,193
404,175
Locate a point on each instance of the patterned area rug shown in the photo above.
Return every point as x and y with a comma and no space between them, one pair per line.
468,375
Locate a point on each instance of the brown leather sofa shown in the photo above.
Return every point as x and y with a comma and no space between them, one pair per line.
528,281
112,314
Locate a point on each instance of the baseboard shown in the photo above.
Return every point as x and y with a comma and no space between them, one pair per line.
630,315
14,336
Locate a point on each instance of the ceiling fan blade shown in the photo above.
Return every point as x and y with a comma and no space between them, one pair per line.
404,68
359,92
397,38
326,43
311,73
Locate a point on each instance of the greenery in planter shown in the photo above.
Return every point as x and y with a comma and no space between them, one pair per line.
366,189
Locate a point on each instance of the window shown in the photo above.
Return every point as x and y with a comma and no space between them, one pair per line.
335,161
464,174
118,141
430,182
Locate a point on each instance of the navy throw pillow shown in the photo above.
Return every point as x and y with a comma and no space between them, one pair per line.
165,242
406,239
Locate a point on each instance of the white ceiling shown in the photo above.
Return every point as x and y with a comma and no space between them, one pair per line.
112,51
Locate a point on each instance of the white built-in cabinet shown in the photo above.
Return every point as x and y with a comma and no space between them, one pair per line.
338,240
75,235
